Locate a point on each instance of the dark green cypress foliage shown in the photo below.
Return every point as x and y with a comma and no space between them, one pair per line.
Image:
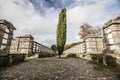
61,31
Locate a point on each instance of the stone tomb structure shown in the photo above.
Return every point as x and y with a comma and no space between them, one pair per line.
93,44
111,31
96,45
26,45
90,45
6,35
22,44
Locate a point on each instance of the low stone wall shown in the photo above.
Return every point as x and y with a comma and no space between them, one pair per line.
105,59
4,60
7,59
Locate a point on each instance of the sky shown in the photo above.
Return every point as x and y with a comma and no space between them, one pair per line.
40,17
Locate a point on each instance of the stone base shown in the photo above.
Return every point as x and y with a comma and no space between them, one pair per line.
11,59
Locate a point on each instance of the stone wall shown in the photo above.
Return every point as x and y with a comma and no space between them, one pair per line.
22,44
111,31
42,50
90,45
6,34
74,50
25,44
8,59
94,45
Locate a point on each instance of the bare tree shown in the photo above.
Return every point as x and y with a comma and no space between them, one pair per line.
84,30
97,31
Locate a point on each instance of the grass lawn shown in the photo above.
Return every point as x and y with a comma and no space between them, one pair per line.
101,67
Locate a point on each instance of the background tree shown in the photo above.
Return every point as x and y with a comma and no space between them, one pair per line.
54,48
85,30
97,31
61,31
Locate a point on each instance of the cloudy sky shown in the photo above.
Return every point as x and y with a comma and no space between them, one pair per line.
39,17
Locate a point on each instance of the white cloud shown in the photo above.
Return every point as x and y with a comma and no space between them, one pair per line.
28,20
94,13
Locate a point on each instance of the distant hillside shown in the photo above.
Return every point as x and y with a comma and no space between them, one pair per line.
71,45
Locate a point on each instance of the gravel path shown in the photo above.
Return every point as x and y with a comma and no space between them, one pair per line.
55,69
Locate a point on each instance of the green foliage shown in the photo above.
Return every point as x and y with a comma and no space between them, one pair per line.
100,59
43,55
61,31
3,52
108,51
100,66
54,48
71,45
93,57
110,61
97,57
72,55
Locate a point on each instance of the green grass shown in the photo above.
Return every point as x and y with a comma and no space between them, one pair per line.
101,67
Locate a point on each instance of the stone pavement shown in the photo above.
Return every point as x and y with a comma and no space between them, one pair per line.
54,69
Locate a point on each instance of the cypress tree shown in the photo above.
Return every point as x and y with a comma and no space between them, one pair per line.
61,31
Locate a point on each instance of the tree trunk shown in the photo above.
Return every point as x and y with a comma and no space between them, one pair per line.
59,55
